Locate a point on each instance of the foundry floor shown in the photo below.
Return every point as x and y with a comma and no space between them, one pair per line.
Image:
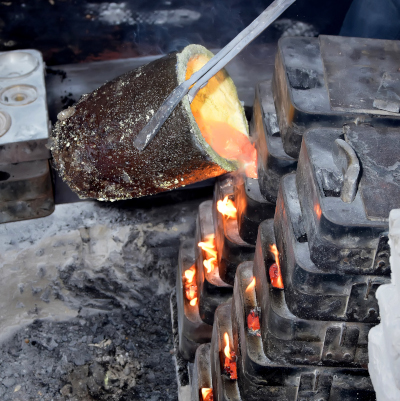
85,302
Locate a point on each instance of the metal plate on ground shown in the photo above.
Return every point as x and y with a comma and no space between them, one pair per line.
354,68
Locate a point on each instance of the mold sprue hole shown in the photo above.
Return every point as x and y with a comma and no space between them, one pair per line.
4,176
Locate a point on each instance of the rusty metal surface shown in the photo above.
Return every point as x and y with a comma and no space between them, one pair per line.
354,68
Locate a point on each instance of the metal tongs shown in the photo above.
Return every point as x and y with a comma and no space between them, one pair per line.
200,78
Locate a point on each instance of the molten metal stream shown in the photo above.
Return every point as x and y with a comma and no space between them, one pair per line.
220,129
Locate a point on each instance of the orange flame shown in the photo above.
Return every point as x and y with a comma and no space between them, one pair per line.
275,270
189,274
209,264
317,210
251,285
191,292
207,394
208,246
275,251
227,350
190,287
227,208
230,360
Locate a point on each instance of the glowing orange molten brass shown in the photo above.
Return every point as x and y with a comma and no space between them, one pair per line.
253,321
208,246
189,286
251,285
217,118
227,208
275,270
230,367
207,394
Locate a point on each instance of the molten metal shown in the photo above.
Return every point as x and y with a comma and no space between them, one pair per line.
251,285
253,322
221,121
227,208
193,302
207,394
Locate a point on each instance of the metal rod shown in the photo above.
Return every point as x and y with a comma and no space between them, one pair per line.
200,77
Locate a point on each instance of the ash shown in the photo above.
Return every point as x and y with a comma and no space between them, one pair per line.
84,302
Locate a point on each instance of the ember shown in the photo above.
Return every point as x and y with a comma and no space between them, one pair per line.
275,269
207,394
227,208
209,248
220,122
230,367
190,287
253,322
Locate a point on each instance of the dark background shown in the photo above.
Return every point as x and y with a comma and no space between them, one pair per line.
73,31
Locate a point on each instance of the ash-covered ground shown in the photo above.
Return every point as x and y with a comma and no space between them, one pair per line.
84,299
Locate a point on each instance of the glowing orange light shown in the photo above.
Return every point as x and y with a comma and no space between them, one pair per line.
227,208
209,264
227,350
251,285
253,321
189,286
189,274
275,276
275,270
207,394
275,252
317,210
208,246
191,292
230,360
